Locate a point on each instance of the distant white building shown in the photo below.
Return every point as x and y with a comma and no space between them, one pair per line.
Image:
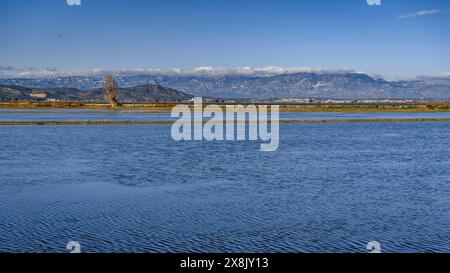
38,95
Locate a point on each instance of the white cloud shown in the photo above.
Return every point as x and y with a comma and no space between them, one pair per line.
8,71
374,2
204,69
272,70
73,2
258,71
423,13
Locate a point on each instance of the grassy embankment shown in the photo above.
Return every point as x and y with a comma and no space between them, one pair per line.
166,107
158,122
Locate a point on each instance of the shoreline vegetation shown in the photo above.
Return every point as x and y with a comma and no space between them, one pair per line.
166,122
166,107
32,107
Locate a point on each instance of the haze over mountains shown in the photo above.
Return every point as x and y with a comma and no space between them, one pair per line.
342,85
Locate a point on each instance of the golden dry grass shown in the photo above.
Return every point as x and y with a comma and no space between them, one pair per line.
165,122
167,107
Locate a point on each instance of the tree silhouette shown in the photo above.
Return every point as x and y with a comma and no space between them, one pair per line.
111,91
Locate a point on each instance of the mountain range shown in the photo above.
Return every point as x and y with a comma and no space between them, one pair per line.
345,85
140,93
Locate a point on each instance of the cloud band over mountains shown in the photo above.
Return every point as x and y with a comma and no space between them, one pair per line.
8,71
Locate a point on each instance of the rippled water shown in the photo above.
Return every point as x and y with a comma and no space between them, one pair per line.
124,115
329,188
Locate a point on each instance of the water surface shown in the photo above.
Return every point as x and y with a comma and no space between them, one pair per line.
329,188
10,114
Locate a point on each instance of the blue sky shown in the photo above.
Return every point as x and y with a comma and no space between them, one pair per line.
331,34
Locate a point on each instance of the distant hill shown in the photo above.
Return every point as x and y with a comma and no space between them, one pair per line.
342,85
141,93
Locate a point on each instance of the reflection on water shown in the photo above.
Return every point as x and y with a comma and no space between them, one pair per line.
329,187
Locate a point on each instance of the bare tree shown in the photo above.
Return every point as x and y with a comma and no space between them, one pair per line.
111,91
